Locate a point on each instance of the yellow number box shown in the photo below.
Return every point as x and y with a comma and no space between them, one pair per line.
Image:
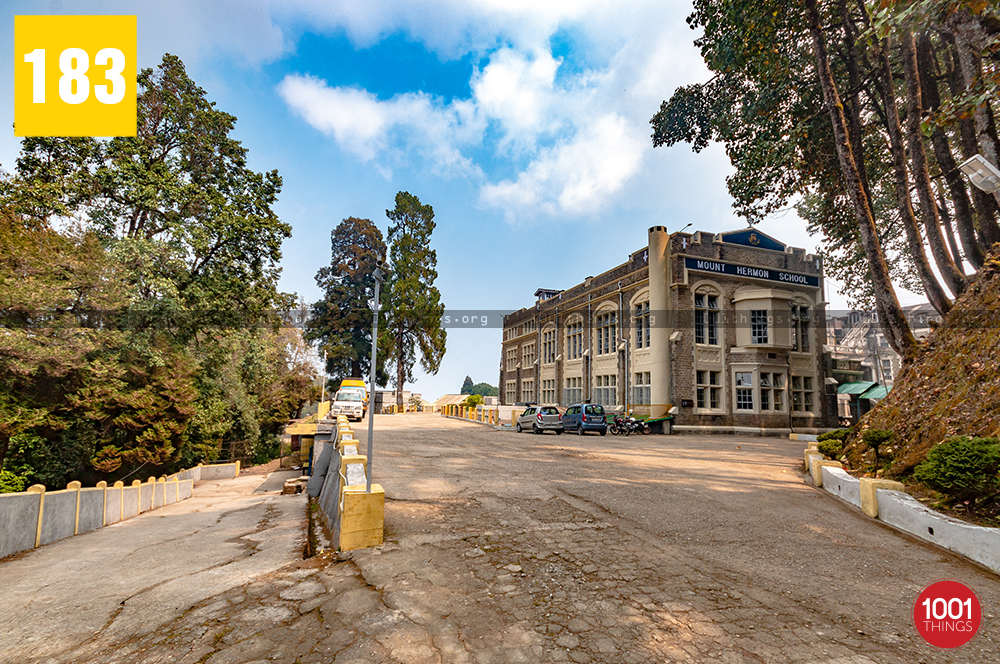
75,75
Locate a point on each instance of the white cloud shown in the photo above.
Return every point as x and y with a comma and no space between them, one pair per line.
385,131
518,91
576,177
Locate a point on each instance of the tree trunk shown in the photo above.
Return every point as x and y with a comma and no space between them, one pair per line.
985,205
400,368
891,317
932,288
946,160
921,172
948,229
968,38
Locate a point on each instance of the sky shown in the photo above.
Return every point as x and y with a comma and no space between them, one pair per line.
524,124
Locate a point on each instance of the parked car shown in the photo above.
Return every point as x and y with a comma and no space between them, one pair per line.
349,404
583,417
540,418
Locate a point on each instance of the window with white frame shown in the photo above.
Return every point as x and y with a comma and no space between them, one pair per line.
887,369
528,390
549,345
574,340
549,391
604,390
744,390
641,319
511,393
640,392
709,389
607,339
510,362
573,393
800,328
527,355
758,326
706,318
772,391
803,397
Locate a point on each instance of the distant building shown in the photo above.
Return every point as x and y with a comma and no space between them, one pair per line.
727,328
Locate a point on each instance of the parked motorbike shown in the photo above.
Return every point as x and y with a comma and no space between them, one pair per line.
634,425
618,426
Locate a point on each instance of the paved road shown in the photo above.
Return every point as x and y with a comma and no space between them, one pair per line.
681,548
83,595
506,548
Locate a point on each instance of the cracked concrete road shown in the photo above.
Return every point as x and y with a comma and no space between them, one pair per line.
520,548
72,599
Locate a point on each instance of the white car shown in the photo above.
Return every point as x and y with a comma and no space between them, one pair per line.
348,403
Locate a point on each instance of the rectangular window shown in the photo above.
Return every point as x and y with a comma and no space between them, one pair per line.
772,391
510,361
528,391
641,388
607,336
708,390
887,369
511,393
574,341
549,391
605,390
744,390
800,329
573,393
527,355
802,394
549,346
642,325
758,326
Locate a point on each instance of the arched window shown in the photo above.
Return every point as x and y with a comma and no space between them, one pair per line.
549,344
574,338
706,316
606,329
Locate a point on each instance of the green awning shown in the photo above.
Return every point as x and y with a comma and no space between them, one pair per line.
877,392
856,388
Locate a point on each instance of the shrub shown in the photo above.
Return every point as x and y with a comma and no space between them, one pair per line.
830,448
873,438
962,468
838,435
12,482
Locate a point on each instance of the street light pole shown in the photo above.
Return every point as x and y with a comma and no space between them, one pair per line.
379,275
322,389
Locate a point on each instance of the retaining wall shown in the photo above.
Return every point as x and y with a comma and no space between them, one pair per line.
900,510
37,517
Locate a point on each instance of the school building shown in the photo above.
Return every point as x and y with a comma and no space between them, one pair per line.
725,332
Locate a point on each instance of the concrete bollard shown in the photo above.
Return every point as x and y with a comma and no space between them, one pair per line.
816,463
362,518
869,485
40,490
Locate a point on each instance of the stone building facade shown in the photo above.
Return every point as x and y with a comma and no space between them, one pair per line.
724,331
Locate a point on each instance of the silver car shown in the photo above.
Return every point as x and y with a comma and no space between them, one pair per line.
539,419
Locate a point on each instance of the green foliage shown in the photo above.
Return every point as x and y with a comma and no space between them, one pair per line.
962,468
342,321
12,483
831,448
473,400
147,331
838,434
485,389
467,385
413,315
874,438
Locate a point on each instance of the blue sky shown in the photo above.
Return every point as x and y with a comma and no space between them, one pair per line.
524,124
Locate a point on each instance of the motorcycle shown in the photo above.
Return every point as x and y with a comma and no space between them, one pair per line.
618,426
632,424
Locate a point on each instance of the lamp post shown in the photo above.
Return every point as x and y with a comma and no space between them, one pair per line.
379,276
322,389
983,174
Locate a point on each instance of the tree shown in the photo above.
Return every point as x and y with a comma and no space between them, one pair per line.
809,100
342,321
413,315
485,390
467,385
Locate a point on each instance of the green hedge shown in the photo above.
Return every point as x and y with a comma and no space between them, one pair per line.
962,468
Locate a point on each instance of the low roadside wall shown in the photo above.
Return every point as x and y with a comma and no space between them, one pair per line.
37,517
883,500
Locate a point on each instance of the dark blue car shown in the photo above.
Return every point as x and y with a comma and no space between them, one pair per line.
583,417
